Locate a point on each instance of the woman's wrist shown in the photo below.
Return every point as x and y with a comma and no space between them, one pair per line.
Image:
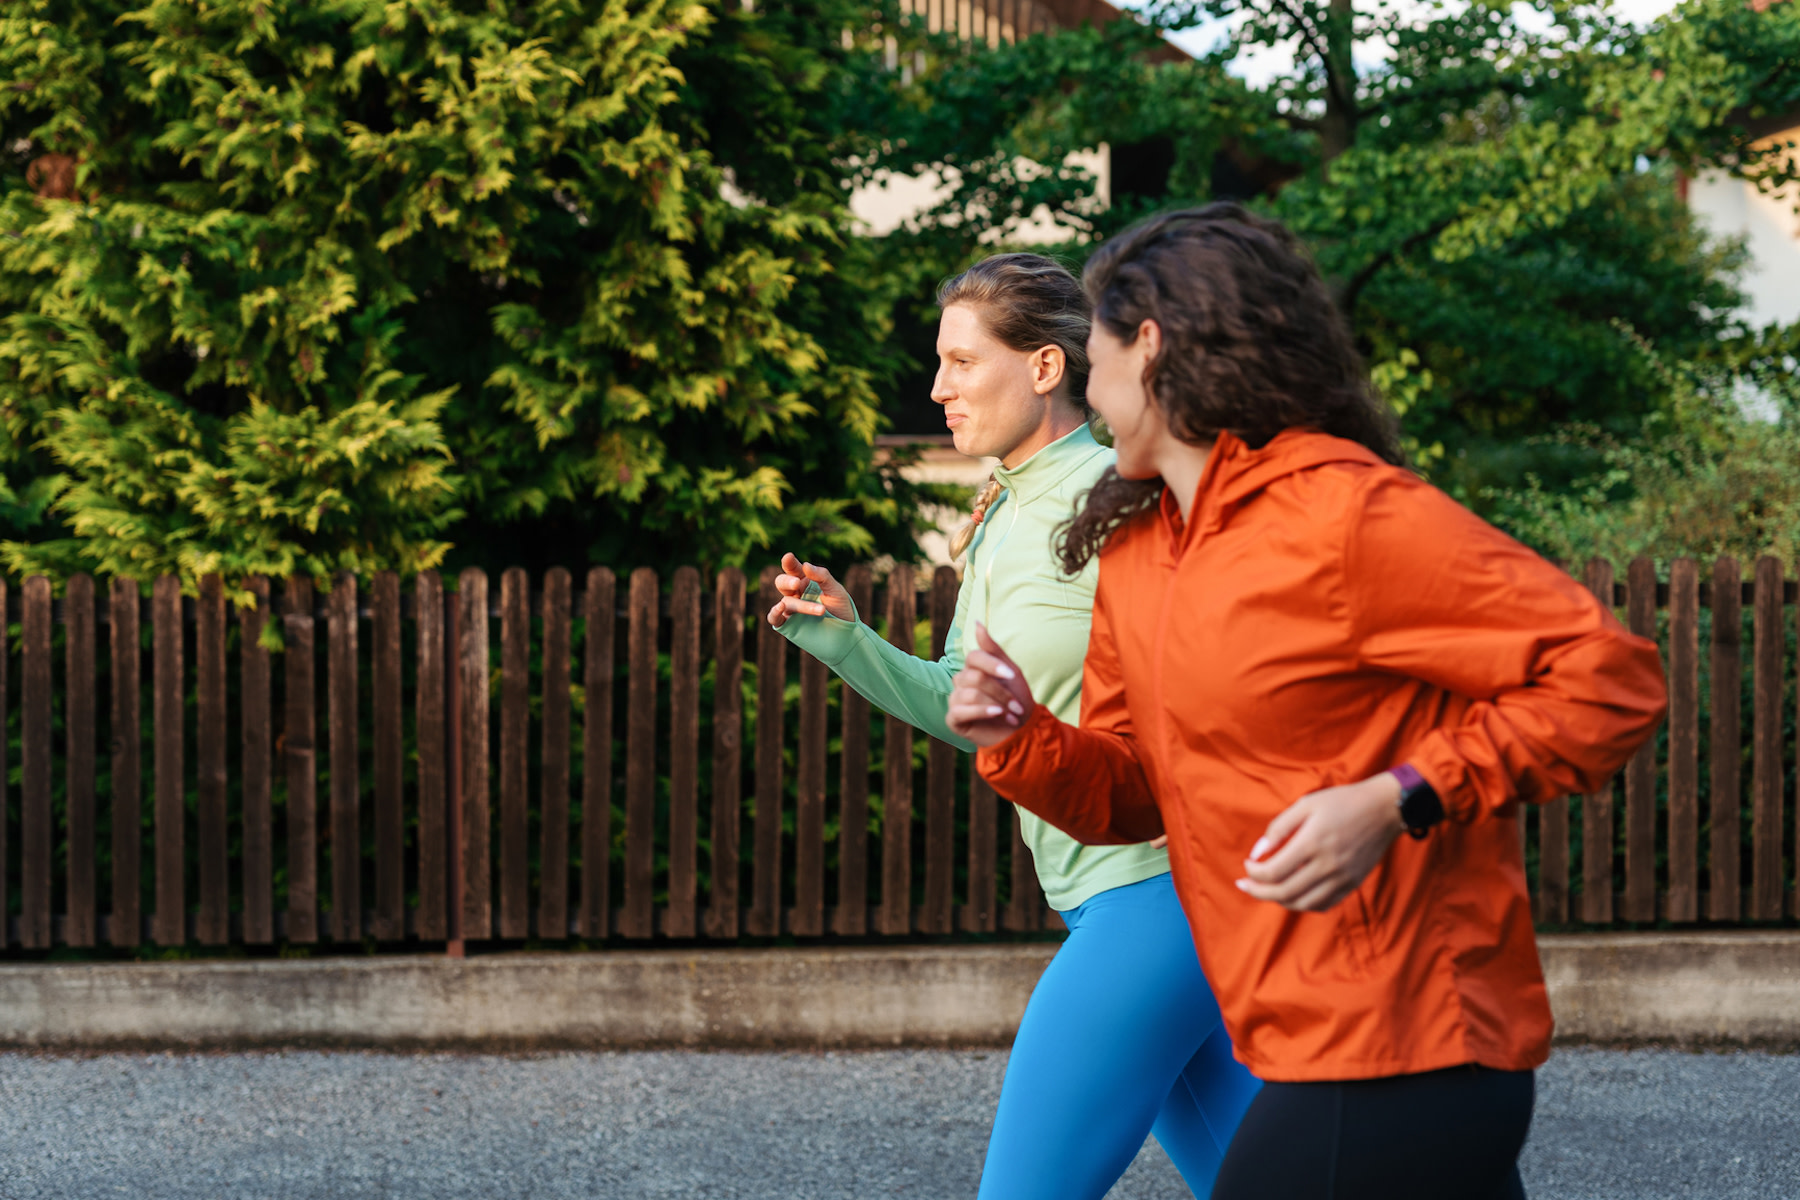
1417,805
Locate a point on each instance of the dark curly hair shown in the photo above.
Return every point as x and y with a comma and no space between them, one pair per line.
1251,344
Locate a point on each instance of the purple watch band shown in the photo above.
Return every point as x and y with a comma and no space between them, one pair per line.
1408,775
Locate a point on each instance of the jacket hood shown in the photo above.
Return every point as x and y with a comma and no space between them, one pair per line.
1235,473
1238,472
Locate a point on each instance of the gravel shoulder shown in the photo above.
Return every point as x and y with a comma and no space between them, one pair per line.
1633,1125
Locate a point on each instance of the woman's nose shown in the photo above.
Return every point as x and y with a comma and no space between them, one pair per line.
941,392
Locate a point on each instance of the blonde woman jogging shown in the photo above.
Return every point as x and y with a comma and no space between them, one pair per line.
1122,1037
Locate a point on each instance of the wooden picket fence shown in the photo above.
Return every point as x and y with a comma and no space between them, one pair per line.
443,806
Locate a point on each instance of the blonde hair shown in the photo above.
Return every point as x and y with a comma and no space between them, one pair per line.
1028,301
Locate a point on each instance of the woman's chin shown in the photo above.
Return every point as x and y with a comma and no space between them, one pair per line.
968,441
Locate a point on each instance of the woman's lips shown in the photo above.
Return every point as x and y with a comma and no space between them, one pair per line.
954,419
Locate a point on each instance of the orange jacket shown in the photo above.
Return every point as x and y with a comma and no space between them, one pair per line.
1323,617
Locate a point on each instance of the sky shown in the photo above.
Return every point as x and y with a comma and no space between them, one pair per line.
1259,68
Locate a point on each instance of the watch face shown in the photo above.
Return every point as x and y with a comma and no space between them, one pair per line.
1420,808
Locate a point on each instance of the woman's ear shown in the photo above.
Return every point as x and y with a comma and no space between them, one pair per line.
1048,366
1149,338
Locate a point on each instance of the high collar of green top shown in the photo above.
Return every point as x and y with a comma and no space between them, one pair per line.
1043,471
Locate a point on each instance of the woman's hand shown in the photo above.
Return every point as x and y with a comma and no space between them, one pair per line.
792,583
990,697
1320,848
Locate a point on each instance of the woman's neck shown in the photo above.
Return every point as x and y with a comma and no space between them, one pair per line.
1181,465
1060,420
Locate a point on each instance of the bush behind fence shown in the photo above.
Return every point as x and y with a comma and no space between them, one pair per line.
498,771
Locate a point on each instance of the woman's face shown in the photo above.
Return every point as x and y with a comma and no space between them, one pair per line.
1116,391
994,397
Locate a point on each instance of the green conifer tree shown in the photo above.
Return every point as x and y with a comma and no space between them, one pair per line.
301,287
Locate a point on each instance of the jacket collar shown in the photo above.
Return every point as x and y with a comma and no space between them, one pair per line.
1043,471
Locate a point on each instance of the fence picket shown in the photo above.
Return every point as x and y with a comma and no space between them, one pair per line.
1684,740
896,799
684,751
5,771
78,757
257,784
214,925
553,781
809,812
476,902
853,782
596,753
728,741
35,817
1596,808
301,759
940,780
346,774
635,920
984,807
126,926
764,919
389,923
431,732
1723,748
1640,773
1766,770
1025,908
170,920
515,733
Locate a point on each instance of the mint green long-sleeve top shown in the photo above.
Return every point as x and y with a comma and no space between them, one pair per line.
1013,586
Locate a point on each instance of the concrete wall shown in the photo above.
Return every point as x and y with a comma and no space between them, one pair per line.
1725,987
1693,987
876,996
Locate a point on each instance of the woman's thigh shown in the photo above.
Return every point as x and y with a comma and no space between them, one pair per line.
1121,1010
1456,1132
1203,1110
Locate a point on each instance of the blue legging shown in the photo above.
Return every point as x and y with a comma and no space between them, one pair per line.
1122,1038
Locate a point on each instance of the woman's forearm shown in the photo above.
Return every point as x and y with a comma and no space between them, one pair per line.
1086,782
916,690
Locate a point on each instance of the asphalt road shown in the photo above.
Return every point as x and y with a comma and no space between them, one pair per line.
1636,1125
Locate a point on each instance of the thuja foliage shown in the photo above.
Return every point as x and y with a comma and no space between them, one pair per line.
1491,189
301,286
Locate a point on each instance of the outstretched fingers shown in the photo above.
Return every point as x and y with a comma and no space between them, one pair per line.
789,606
792,581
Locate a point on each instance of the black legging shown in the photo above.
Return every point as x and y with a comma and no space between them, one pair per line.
1443,1135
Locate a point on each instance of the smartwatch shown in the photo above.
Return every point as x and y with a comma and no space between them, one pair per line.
1420,807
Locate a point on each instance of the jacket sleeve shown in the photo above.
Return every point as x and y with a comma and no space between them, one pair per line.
1562,694
1087,780
917,690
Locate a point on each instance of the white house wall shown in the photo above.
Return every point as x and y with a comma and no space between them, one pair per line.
1770,228
892,200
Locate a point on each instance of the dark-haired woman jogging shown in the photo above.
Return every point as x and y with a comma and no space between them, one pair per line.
1122,1037
1331,687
